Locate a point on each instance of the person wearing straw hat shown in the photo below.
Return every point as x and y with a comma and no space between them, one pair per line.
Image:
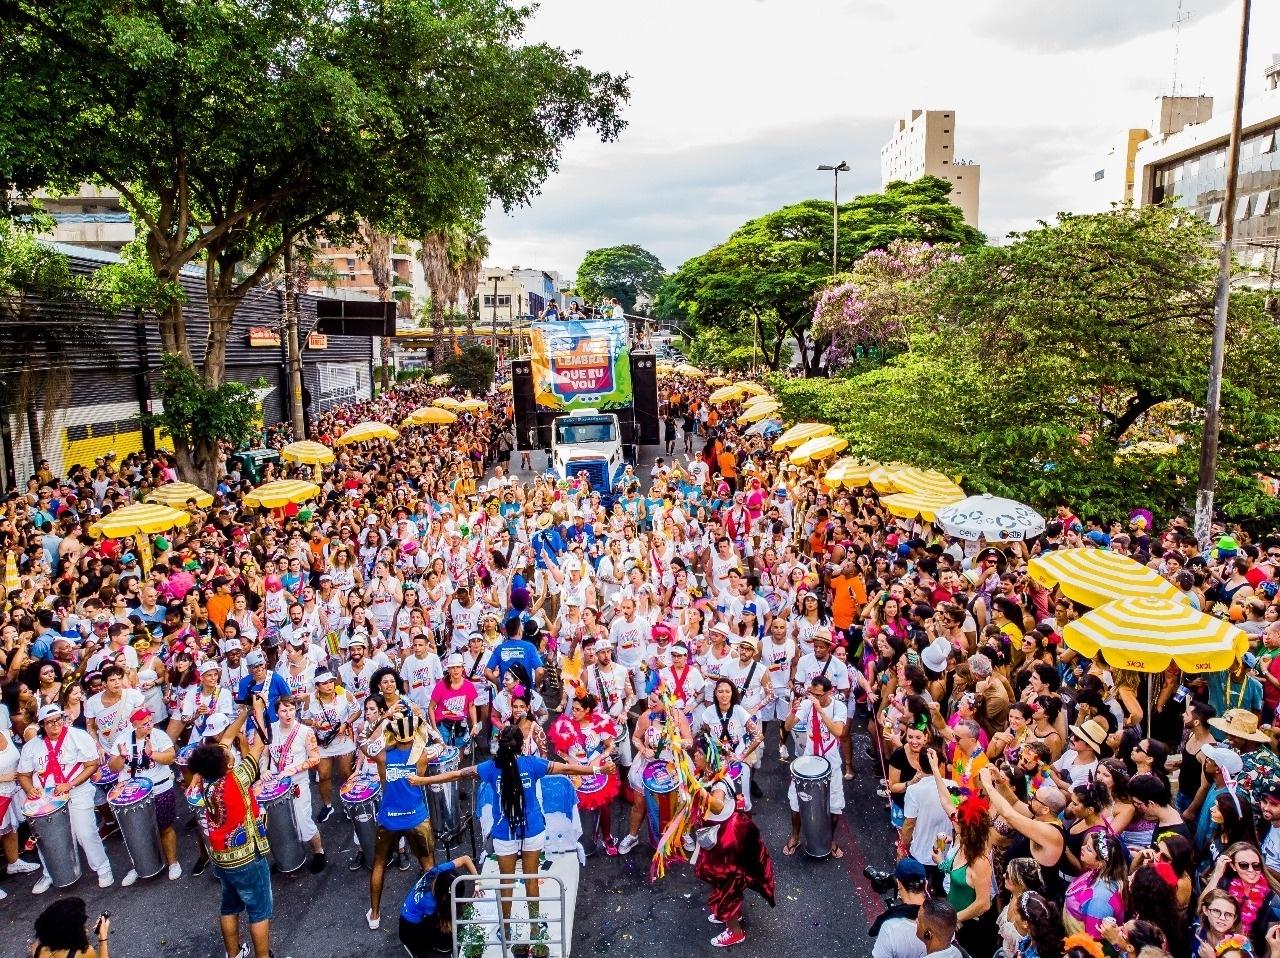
1076,765
1260,766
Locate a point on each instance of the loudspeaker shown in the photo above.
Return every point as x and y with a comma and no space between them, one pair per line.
644,387
526,418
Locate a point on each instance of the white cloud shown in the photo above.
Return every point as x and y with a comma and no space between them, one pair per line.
733,104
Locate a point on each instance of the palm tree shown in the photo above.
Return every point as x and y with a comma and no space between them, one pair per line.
378,250
434,256
475,249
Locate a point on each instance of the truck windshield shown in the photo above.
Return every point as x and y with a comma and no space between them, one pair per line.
585,430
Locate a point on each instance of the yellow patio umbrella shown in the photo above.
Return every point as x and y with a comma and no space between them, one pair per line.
758,411
725,394
473,405
665,369
719,381
1094,577
440,379
1145,635
176,494
142,518
755,389
849,472
273,495
693,372
12,583
823,447
756,400
505,387
366,431
307,452
913,505
801,432
445,402
431,416
926,482
883,477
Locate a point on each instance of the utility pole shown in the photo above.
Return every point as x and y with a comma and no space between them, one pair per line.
495,314
292,344
836,169
1213,402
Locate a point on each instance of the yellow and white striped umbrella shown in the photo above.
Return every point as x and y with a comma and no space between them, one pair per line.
473,405
505,387
754,389
140,519
1145,635
726,394
849,472
273,495
665,369
445,402
716,381
756,400
800,433
758,411
176,494
823,447
1094,577
693,372
367,431
431,416
926,482
12,582
882,478
308,452
913,505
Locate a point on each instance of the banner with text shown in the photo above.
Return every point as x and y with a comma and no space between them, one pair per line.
581,365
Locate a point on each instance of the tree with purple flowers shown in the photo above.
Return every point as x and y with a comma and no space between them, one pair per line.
874,304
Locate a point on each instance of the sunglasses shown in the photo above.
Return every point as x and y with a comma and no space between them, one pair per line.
1251,866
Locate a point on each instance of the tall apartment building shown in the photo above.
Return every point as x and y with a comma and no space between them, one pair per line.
924,144
345,271
93,218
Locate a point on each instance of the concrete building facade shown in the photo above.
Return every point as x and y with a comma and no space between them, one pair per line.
924,144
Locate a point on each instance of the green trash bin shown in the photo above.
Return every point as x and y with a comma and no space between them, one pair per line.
252,462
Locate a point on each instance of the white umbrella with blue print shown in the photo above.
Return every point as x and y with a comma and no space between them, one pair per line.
991,518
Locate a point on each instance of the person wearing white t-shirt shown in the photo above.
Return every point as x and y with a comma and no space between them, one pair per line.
62,759
293,752
421,671
107,713
146,752
206,699
826,717
683,680
925,816
778,656
629,635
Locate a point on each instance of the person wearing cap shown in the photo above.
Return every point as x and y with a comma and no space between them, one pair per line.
682,679
293,752
1222,767
234,668
1076,765
62,760
261,681
819,662
453,704
147,752
206,699
330,713
894,930
356,673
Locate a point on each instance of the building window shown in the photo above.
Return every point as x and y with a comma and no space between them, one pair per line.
503,300
1099,175
351,266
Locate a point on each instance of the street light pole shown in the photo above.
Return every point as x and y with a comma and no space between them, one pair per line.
1222,298
836,169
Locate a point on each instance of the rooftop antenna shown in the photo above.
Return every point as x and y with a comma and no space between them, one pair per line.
1181,18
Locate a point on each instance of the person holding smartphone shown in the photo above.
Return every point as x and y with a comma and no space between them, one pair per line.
61,932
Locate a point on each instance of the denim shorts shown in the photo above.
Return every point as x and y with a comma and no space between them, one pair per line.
247,888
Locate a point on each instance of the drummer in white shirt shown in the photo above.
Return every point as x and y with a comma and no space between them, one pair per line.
750,676
819,662
293,752
146,752
62,758
826,717
684,680
206,699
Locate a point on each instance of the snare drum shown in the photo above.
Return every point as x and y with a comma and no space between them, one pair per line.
811,786
361,794
105,777
183,757
50,819
133,804
275,798
442,800
660,785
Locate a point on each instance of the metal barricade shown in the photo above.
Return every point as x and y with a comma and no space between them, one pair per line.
552,912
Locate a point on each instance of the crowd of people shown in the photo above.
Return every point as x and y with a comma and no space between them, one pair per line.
724,604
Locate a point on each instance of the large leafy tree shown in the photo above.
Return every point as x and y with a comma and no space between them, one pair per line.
773,266
1037,366
230,128
622,271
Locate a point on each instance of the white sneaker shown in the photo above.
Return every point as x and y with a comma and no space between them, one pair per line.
628,842
106,879
22,867
128,879
175,871
374,923
783,754
42,886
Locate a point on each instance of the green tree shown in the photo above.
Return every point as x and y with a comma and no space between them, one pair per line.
1038,363
773,266
231,128
471,368
624,272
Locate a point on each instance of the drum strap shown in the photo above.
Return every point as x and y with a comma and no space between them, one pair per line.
746,684
282,756
54,767
605,697
821,742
